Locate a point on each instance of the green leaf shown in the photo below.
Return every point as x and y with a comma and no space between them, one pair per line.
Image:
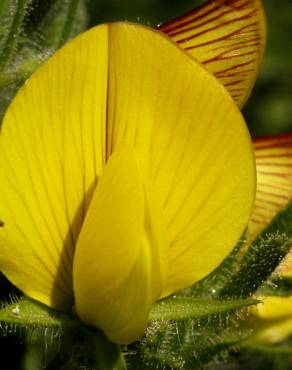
179,308
31,314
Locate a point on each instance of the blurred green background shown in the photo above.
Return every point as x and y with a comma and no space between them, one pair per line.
269,110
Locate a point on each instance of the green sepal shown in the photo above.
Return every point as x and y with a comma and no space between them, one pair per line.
82,349
187,344
180,308
30,314
277,286
77,346
262,257
186,333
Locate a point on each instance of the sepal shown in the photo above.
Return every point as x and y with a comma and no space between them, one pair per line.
186,333
26,313
181,308
57,339
262,257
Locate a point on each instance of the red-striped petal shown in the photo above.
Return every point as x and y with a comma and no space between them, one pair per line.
273,157
228,37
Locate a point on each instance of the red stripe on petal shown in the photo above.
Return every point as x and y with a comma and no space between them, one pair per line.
273,156
225,36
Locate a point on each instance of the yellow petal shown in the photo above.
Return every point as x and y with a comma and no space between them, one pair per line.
52,150
190,141
116,279
272,320
190,138
228,37
274,180
273,331
274,307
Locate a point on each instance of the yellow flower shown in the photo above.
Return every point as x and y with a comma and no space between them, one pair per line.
126,173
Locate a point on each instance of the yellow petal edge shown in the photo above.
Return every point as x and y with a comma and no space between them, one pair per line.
187,151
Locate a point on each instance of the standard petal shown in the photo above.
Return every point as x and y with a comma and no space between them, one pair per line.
52,150
273,157
189,138
228,37
192,142
116,274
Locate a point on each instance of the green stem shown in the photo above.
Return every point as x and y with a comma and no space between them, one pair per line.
108,355
12,38
70,18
